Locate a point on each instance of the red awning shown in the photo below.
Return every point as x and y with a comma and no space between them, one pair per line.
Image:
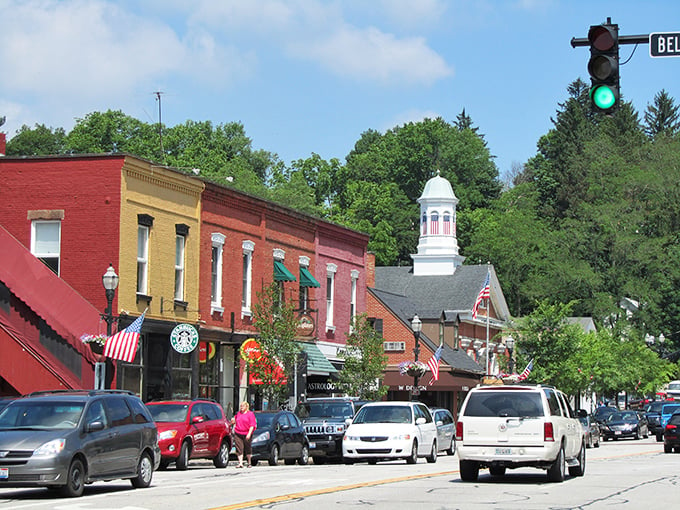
447,381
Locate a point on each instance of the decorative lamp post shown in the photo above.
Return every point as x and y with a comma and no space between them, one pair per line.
110,282
417,327
510,344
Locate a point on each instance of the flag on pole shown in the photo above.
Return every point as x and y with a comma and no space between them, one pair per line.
485,293
526,372
434,365
123,345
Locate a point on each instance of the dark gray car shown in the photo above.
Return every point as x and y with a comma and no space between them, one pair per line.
66,439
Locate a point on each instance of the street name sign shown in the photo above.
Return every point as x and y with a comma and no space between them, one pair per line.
664,44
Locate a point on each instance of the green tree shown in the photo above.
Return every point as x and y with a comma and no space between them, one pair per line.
365,362
38,141
662,116
276,322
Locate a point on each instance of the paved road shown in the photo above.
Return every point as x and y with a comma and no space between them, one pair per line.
623,474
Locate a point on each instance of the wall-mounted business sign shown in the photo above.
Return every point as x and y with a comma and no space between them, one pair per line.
184,338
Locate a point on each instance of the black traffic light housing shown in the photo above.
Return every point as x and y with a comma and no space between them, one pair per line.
604,66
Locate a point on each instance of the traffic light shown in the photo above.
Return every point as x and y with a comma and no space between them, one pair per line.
604,66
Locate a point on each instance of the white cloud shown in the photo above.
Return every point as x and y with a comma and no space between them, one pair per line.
371,55
413,115
409,13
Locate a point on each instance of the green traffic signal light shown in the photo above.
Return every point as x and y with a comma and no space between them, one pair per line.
603,97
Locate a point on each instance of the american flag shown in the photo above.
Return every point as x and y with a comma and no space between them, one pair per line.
447,226
526,372
123,345
434,365
483,294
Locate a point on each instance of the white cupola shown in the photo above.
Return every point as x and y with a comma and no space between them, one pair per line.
438,245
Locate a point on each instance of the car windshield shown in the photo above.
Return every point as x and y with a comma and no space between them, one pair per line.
264,420
505,404
674,385
383,414
324,410
629,417
168,412
41,415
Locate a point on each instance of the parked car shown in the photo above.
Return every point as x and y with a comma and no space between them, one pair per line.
625,424
671,434
591,431
391,430
601,413
508,427
446,430
279,435
191,429
325,421
66,439
4,401
667,410
653,415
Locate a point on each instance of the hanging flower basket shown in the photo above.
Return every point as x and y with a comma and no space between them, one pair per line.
412,368
96,342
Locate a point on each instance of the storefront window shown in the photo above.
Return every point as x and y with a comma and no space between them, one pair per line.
181,375
208,370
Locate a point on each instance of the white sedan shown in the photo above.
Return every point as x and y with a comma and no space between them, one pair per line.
391,430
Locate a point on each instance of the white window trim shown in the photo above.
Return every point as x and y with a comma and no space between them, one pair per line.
144,259
248,248
180,242
353,299
216,302
331,270
34,241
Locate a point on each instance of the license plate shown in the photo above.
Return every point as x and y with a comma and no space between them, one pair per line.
503,451
312,445
4,473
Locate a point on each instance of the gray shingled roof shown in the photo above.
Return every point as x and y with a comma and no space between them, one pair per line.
404,309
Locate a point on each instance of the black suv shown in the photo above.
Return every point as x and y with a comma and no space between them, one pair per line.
66,439
325,421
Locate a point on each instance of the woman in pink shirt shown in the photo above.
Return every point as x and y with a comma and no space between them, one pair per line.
244,426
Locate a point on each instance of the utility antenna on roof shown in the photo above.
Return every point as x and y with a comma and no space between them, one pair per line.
160,124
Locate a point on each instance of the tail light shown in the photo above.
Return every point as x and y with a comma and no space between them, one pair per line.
459,431
548,434
671,427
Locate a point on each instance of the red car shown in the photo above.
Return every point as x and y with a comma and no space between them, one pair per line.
191,429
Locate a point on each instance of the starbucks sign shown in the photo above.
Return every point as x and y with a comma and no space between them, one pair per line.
184,338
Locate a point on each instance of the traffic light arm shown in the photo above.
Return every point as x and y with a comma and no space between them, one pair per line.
623,39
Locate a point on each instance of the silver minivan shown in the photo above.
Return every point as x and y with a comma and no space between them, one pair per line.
64,440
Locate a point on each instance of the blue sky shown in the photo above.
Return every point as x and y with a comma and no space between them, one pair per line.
308,76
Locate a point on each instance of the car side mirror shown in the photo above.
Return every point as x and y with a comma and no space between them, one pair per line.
197,419
94,426
420,421
439,423
348,421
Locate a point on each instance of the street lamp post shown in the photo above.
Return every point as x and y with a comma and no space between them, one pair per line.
110,282
510,344
416,326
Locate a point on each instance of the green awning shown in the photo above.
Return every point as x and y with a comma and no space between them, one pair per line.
281,273
306,278
317,363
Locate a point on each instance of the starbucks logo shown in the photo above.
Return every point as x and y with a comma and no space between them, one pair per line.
184,338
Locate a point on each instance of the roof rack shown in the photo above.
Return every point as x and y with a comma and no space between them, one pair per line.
90,393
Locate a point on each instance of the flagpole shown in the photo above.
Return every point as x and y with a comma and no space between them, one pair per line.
488,352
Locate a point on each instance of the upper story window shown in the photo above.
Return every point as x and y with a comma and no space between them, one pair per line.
46,242
145,222
331,269
248,248
434,223
423,223
353,299
307,281
216,273
181,232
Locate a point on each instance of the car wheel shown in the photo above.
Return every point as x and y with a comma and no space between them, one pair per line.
469,470
579,470
372,462
144,472
413,458
452,449
163,465
319,460
497,470
183,458
659,438
667,448
274,455
303,459
75,480
432,458
637,434
222,458
556,472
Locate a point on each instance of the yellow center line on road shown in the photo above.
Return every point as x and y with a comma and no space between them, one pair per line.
340,488
328,490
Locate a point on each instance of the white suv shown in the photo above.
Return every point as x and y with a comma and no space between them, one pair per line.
516,426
